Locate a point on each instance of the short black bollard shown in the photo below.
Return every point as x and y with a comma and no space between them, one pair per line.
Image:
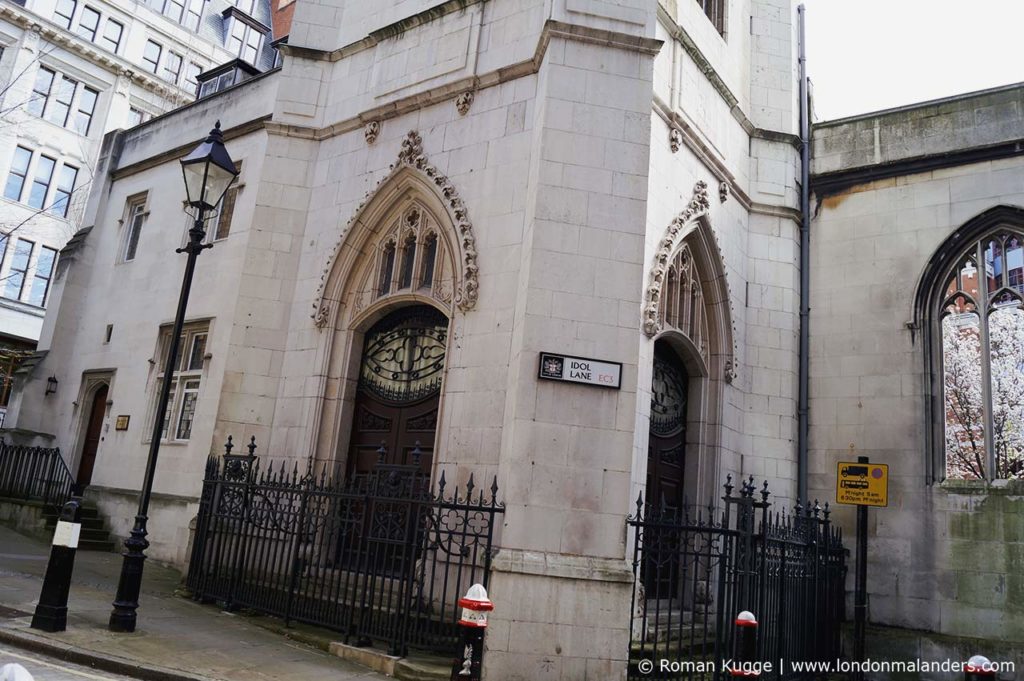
52,612
979,668
745,664
475,606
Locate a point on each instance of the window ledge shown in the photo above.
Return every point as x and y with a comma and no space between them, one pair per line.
982,487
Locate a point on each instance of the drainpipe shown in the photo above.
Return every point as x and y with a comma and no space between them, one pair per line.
805,258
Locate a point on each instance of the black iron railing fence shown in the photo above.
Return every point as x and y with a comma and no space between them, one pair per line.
695,570
34,474
379,557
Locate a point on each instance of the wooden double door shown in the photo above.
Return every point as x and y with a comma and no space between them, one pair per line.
396,407
666,448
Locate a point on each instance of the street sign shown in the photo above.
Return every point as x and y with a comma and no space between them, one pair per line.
862,484
580,370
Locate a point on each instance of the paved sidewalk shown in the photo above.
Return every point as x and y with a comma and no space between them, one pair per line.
176,638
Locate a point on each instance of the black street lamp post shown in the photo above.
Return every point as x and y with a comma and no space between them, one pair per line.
208,172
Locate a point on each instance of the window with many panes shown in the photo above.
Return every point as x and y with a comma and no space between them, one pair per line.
175,9
193,14
86,108
186,12
172,66
134,218
88,24
65,187
112,35
42,176
151,55
244,40
40,91
41,181
186,379
715,12
192,72
979,330
19,172
15,282
64,13
55,95
60,103
42,276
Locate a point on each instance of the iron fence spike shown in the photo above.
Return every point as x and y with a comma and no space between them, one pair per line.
228,446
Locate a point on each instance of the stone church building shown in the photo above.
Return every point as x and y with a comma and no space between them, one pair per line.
432,194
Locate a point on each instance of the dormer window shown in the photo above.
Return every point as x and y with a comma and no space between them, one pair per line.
243,35
223,76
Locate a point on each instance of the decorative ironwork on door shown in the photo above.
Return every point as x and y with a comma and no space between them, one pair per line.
403,356
397,402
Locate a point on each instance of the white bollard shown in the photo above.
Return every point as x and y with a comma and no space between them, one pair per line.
14,672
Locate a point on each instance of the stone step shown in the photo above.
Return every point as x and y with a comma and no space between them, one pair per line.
85,512
95,536
87,523
423,668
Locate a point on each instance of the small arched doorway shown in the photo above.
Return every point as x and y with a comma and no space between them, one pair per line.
666,442
399,390
93,434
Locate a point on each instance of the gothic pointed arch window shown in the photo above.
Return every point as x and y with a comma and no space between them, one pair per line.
980,329
410,258
683,305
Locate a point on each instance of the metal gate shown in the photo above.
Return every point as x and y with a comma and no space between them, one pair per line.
378,556
696,569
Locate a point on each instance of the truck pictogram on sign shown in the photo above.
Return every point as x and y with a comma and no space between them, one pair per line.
862,484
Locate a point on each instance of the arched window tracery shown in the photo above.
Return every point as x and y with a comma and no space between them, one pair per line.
410,257
684,304
980,315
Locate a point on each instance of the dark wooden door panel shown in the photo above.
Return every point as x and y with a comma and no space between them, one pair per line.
93,433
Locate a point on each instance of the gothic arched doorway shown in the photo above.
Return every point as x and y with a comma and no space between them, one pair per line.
93,434
666,443
396,406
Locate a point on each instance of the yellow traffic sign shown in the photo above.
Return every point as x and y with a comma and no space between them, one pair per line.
862,484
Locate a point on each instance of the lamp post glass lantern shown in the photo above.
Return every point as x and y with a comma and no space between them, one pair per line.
208,172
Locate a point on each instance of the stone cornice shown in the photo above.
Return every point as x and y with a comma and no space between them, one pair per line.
116,65
389,31
449,91
179,151
838,181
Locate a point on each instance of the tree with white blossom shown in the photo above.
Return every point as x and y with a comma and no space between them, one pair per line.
964,397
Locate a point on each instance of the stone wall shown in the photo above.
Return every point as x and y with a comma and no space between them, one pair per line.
571,134
943,555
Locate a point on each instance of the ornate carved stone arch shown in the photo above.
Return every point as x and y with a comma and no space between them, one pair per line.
687,288
439,202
